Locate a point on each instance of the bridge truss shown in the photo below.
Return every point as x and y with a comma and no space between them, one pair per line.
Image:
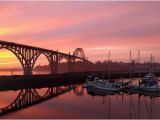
28,55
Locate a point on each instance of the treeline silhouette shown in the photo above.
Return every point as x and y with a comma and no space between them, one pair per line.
102,66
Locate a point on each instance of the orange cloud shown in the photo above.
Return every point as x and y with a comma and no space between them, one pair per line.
119,26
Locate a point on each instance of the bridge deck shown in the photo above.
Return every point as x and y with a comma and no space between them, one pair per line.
36,48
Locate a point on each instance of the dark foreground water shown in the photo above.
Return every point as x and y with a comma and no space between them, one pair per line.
75,102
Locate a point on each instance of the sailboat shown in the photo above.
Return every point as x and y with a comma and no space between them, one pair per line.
128,84
107,86
90,82
149,83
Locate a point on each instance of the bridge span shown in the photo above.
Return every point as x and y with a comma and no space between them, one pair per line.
28,55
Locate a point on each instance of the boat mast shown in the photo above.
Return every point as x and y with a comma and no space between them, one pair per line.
130,59
151,62
109,56
105,70
139,70
139,74
151,58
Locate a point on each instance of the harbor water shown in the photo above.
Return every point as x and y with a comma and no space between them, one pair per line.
77,103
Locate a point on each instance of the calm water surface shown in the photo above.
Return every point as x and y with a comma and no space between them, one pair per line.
20,72
77,103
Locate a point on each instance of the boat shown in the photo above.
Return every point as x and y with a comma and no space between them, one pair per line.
106,86
149,82
127,85
149,78
149,87
90,82
101,92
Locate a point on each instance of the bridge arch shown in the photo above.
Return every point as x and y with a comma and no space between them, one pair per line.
78,52
80,64
70,62
17,54
39,57
63,66
28,55
61,58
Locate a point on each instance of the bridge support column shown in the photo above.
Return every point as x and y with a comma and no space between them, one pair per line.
71,64
28,61
27,71
54,63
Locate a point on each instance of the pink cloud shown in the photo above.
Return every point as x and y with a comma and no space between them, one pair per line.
68,25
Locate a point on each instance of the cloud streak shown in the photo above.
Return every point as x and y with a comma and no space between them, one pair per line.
91,25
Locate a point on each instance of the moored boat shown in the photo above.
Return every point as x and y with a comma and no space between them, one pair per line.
112,87
149,82
149,87
91,80
127,85
107,85
149,78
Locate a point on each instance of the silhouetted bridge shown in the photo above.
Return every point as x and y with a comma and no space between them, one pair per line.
28,55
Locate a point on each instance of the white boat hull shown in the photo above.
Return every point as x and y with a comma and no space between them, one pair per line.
98,91
107,88
150,89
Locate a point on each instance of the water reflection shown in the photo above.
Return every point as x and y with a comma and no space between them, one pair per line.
21,72
7,97
28,97
133,106
75,102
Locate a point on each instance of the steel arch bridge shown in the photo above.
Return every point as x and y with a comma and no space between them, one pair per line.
28,55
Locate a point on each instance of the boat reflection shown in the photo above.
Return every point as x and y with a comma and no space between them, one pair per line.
97,92
140,106
78,101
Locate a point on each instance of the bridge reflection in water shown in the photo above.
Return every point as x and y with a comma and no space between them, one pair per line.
29,97
78,102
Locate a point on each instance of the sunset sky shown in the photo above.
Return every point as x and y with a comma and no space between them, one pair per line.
94,26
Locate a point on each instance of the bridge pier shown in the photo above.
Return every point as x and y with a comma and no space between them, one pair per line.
27,71
54,63
71,64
